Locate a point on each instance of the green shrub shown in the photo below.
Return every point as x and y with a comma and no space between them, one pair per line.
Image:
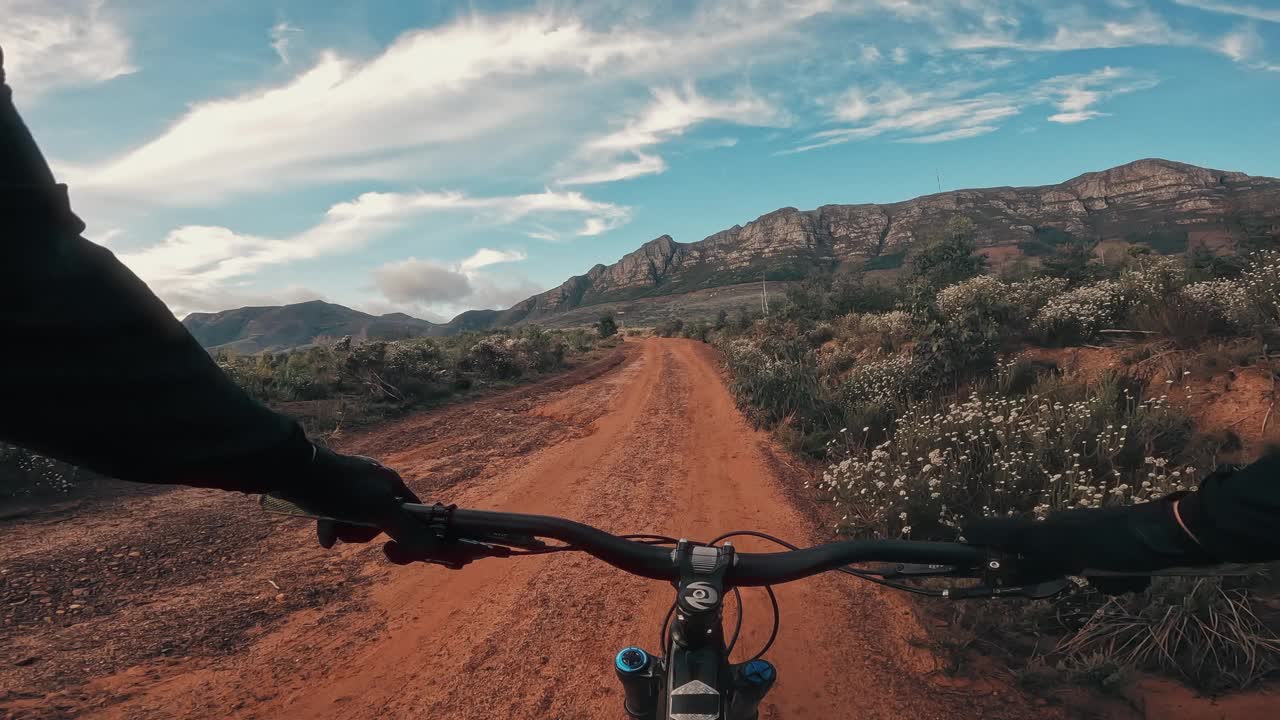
607,326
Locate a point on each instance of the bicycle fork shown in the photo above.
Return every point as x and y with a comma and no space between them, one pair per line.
642,676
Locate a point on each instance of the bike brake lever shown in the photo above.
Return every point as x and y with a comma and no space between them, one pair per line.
902,570
456,554
1038,591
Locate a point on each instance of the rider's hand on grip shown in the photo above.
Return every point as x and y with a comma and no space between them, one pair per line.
1134,538
362,490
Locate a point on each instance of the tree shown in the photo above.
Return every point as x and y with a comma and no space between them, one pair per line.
1072,262
607,326
722,319
948,258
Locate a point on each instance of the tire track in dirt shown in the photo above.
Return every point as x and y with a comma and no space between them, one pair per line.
654,446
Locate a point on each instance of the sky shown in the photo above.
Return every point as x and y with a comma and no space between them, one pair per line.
432,157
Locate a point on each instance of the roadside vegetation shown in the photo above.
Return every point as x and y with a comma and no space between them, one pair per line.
944,396
339,384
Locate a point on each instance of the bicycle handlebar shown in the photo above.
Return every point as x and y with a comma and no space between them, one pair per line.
750,569
482,527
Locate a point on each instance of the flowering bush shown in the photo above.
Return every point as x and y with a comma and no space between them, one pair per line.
972,295
883,381
1004,455
887,330
1081,313
1152,281
1028,296
1225,301
1261,282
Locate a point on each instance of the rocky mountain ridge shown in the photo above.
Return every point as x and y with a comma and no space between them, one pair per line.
1142,200
1168,205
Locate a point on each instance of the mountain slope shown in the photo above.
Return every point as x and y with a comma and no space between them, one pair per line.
1168,204
252,329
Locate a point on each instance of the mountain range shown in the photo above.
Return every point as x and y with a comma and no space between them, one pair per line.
1166,205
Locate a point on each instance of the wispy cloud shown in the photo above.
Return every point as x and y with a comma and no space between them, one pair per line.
1078,30
54,44
636,165
619,155
949,113
197,259
1076,95
1249,10
964,110
347,119
281,38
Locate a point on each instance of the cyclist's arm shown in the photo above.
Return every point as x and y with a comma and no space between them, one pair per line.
96,370
1236,516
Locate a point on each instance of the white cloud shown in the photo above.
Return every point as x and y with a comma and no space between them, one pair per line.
959,111
1076,29
948,113
440,289
485,257
196,260
421,281
1075,95
54,44
900,56
347,119
1241,45
444,98
618,155
643,164
1256,12
949,135
281,39
1078,116
870,54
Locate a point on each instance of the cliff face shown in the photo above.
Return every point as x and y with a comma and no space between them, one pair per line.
1185,203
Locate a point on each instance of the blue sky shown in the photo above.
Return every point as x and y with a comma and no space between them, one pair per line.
431,157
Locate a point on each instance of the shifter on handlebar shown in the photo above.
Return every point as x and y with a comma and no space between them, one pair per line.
451,552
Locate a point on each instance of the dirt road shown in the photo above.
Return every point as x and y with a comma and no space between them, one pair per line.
266,625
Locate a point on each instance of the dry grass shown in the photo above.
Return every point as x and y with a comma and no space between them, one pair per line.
1194,628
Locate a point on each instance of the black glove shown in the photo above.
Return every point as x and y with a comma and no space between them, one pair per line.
1134,538
361,489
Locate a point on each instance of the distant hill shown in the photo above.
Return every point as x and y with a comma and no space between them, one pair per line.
253,329
1168,206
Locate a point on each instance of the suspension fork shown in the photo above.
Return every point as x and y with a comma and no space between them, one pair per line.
696,682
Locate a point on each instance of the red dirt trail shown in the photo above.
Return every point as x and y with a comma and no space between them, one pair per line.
649,441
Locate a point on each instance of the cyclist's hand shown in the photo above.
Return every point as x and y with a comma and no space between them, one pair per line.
363,490
1135,538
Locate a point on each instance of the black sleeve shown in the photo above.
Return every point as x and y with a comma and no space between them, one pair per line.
96,371
1236,515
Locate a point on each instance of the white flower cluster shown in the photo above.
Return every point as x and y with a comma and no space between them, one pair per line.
979,292
1224,300
884,381
887,329
1029,296
986,293
1154,279
1082,312
1261,281
997,455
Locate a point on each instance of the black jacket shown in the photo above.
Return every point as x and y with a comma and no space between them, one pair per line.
95,370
